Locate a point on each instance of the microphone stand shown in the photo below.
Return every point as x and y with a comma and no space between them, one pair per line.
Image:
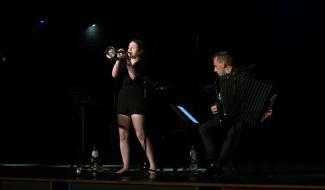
114,123
147,82
145,164
82,165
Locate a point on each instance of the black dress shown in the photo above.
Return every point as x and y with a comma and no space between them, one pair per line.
131,94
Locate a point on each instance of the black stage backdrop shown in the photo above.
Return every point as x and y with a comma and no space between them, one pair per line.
54,68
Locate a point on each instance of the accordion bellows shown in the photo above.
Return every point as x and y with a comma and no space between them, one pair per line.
244,97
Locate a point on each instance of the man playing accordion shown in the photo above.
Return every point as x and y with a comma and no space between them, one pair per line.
240,99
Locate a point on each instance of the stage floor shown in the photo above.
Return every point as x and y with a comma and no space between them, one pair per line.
65,177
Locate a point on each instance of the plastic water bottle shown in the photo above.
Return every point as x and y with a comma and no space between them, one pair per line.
94,160
193,160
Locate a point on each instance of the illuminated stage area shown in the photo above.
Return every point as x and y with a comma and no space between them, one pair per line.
60,177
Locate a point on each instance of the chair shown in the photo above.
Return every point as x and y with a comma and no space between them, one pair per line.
257,138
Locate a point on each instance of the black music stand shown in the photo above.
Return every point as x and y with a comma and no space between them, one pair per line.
184,114
192,122
81,100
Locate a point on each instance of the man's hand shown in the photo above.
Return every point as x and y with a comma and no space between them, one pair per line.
267,114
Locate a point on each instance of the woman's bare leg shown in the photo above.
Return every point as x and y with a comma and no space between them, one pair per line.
124,130
138,123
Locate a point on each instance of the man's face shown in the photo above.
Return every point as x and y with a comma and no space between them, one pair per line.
219,67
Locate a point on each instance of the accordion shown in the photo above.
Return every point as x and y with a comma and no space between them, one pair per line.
244,97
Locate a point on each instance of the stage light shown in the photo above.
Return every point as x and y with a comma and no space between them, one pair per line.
42,21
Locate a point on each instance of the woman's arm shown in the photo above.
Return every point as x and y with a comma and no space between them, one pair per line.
115,69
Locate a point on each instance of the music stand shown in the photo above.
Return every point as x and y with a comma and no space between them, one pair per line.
189,119
81,99
184,114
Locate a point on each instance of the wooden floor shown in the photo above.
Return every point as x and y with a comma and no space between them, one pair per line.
57,177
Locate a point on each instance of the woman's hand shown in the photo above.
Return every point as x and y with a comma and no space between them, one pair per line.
121,54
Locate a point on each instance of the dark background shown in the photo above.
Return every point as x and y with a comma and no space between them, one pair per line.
50,67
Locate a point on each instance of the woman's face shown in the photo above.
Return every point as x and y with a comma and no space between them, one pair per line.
134,50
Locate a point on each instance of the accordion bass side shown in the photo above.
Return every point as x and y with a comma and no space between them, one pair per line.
246,98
